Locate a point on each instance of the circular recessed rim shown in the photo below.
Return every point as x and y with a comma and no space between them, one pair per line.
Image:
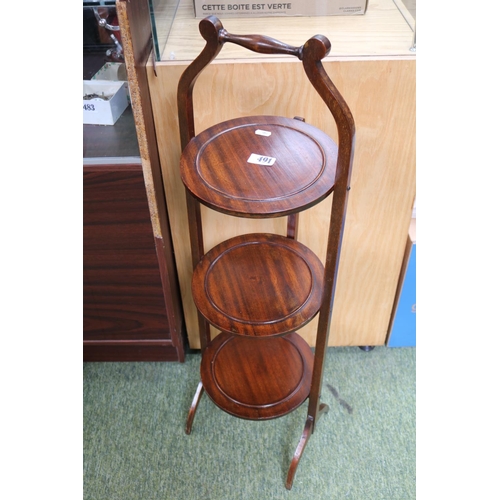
233,316
226,320
253,126
281,403
273,206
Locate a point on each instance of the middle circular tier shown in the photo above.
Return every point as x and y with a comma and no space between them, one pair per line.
258,285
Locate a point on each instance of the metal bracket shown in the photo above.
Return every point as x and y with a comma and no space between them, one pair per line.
103,23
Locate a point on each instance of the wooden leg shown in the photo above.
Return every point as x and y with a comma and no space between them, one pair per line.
298,452
308,430
194,406
292,227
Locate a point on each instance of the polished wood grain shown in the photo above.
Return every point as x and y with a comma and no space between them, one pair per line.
194,405
124,316
263,264
257,379
258,285
102,351
306,434
215,166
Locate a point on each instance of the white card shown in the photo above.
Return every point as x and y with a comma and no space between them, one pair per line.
265,133
261,160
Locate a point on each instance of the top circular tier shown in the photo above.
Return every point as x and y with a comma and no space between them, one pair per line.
260,166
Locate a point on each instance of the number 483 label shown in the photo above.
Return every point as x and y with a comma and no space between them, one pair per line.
261,160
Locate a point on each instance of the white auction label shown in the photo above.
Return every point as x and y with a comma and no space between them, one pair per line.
261,160
265,133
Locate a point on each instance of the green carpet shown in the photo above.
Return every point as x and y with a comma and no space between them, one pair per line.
363,449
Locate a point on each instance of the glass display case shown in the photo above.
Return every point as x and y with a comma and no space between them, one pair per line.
408,9
162,17
387,29
101,32
103,59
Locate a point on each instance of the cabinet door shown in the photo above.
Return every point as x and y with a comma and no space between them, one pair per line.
124,308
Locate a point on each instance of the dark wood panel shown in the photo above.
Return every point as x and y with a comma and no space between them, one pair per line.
114,319
127,236
135,28
122,323
116,211
129,352
123,294
139,271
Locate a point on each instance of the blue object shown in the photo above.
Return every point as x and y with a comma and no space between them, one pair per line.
404,327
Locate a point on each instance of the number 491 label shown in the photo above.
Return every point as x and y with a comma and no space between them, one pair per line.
261,160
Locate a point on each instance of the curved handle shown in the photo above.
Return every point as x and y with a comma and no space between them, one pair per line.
214,33
261,44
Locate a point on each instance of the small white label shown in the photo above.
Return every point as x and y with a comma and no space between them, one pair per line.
261,160
265,133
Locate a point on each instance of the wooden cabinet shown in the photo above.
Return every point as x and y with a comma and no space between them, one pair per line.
125,310
132,309
374,69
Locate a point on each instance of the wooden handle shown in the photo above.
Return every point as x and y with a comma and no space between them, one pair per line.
261,44
216,35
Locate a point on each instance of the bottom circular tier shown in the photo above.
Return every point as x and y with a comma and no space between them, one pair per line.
257,378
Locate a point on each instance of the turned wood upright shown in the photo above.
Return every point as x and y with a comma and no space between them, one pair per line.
257,289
